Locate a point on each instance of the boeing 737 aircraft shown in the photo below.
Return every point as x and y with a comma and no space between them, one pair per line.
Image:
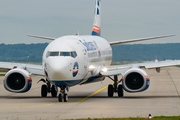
80,59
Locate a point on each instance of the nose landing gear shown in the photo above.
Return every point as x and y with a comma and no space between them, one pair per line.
62,94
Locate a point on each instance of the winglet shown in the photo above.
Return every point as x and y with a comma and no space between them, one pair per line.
97,19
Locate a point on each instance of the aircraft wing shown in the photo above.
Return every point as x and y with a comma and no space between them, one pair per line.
120,69
33,69
153,65
42,37
136,40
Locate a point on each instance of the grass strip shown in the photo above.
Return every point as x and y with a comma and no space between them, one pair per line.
132,118
3,70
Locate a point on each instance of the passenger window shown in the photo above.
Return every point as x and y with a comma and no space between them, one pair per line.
54,54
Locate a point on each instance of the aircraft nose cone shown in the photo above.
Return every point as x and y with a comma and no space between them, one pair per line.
58,69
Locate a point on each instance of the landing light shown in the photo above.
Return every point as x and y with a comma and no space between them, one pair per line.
104,69
92,67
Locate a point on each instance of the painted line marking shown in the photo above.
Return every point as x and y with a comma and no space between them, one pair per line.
57,103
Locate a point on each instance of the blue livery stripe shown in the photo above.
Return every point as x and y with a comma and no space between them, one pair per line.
95,33
68,82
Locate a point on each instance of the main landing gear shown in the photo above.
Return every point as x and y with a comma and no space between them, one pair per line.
48,88
115,88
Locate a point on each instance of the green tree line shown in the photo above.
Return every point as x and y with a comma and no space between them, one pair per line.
146,52
125,52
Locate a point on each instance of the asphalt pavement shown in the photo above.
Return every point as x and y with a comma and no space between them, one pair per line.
162,98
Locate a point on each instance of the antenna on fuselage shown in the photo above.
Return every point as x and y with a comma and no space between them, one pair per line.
156,59
77,33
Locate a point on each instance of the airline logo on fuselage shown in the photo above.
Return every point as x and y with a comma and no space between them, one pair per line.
75,69
90,46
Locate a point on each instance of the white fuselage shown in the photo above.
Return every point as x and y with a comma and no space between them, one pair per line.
68,59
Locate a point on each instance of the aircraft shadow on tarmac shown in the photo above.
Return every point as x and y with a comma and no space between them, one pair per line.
81,97
127,97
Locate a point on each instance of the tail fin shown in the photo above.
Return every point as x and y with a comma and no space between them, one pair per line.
97,19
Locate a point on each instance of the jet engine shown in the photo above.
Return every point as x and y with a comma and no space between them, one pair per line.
135,80
17,80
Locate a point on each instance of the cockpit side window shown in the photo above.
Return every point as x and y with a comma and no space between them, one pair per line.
73,54
47,54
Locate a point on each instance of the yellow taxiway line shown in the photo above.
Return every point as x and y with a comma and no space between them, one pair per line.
58,103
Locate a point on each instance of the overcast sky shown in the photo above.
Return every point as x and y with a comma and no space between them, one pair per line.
121,19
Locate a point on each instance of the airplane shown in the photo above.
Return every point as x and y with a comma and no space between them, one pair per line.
81,59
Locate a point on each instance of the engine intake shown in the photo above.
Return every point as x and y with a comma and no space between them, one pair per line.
135,80
17,80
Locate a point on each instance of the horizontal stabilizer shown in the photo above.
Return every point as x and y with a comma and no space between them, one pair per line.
42,37
136,40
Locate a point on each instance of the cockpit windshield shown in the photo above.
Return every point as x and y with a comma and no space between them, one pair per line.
57,53
54,54
65,54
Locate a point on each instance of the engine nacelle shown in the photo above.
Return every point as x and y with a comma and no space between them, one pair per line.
135,80
17,80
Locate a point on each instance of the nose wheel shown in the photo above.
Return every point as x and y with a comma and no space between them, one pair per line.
62,95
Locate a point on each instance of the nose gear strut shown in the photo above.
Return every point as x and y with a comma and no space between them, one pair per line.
62,94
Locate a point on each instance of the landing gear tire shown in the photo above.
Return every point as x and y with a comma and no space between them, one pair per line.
60,98
44,91
65,97
53,91
110,91
120,91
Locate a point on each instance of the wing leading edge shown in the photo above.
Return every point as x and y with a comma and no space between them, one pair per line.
136,40
42,37
33,69
120,69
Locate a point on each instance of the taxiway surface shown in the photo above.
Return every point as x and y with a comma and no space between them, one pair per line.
162,98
